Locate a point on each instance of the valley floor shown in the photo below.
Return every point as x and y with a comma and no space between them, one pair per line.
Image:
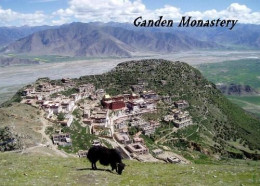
14,77
248,103
17,169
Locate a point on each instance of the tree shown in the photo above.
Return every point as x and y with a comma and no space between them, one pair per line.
61,116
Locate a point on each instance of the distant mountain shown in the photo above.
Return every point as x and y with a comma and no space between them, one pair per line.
11,34
82,39
123,39
242,36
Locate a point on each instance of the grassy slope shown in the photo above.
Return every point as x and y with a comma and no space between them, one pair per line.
249,99
249,103
17,170
25,121
245,71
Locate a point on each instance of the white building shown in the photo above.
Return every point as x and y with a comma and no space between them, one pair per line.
56,108
67,121
67,105
76,97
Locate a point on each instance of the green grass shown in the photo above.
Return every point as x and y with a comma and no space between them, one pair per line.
244,71
77,113
240,146
69,92
249,103
249,99
39,170
81,140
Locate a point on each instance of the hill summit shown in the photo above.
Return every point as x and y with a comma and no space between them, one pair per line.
219,127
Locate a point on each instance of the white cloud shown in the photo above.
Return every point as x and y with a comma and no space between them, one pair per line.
60,21
237,8
168,12
9,17
127,10
121,11
234,11
103,10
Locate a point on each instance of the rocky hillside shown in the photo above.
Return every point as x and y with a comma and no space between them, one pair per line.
19,127
11,34
8,140
220,128
243,36
81,39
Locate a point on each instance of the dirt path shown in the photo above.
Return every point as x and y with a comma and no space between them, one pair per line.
164,137
46,140
193,132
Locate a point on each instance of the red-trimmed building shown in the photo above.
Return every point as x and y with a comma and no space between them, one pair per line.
117,105
118,102
113,103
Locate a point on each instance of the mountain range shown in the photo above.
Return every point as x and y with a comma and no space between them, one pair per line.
11,34
81,39
243,36
122,40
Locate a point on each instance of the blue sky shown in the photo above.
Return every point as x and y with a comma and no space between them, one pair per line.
55,12
28,6
201,5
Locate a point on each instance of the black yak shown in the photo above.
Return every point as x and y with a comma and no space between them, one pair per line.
105,156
